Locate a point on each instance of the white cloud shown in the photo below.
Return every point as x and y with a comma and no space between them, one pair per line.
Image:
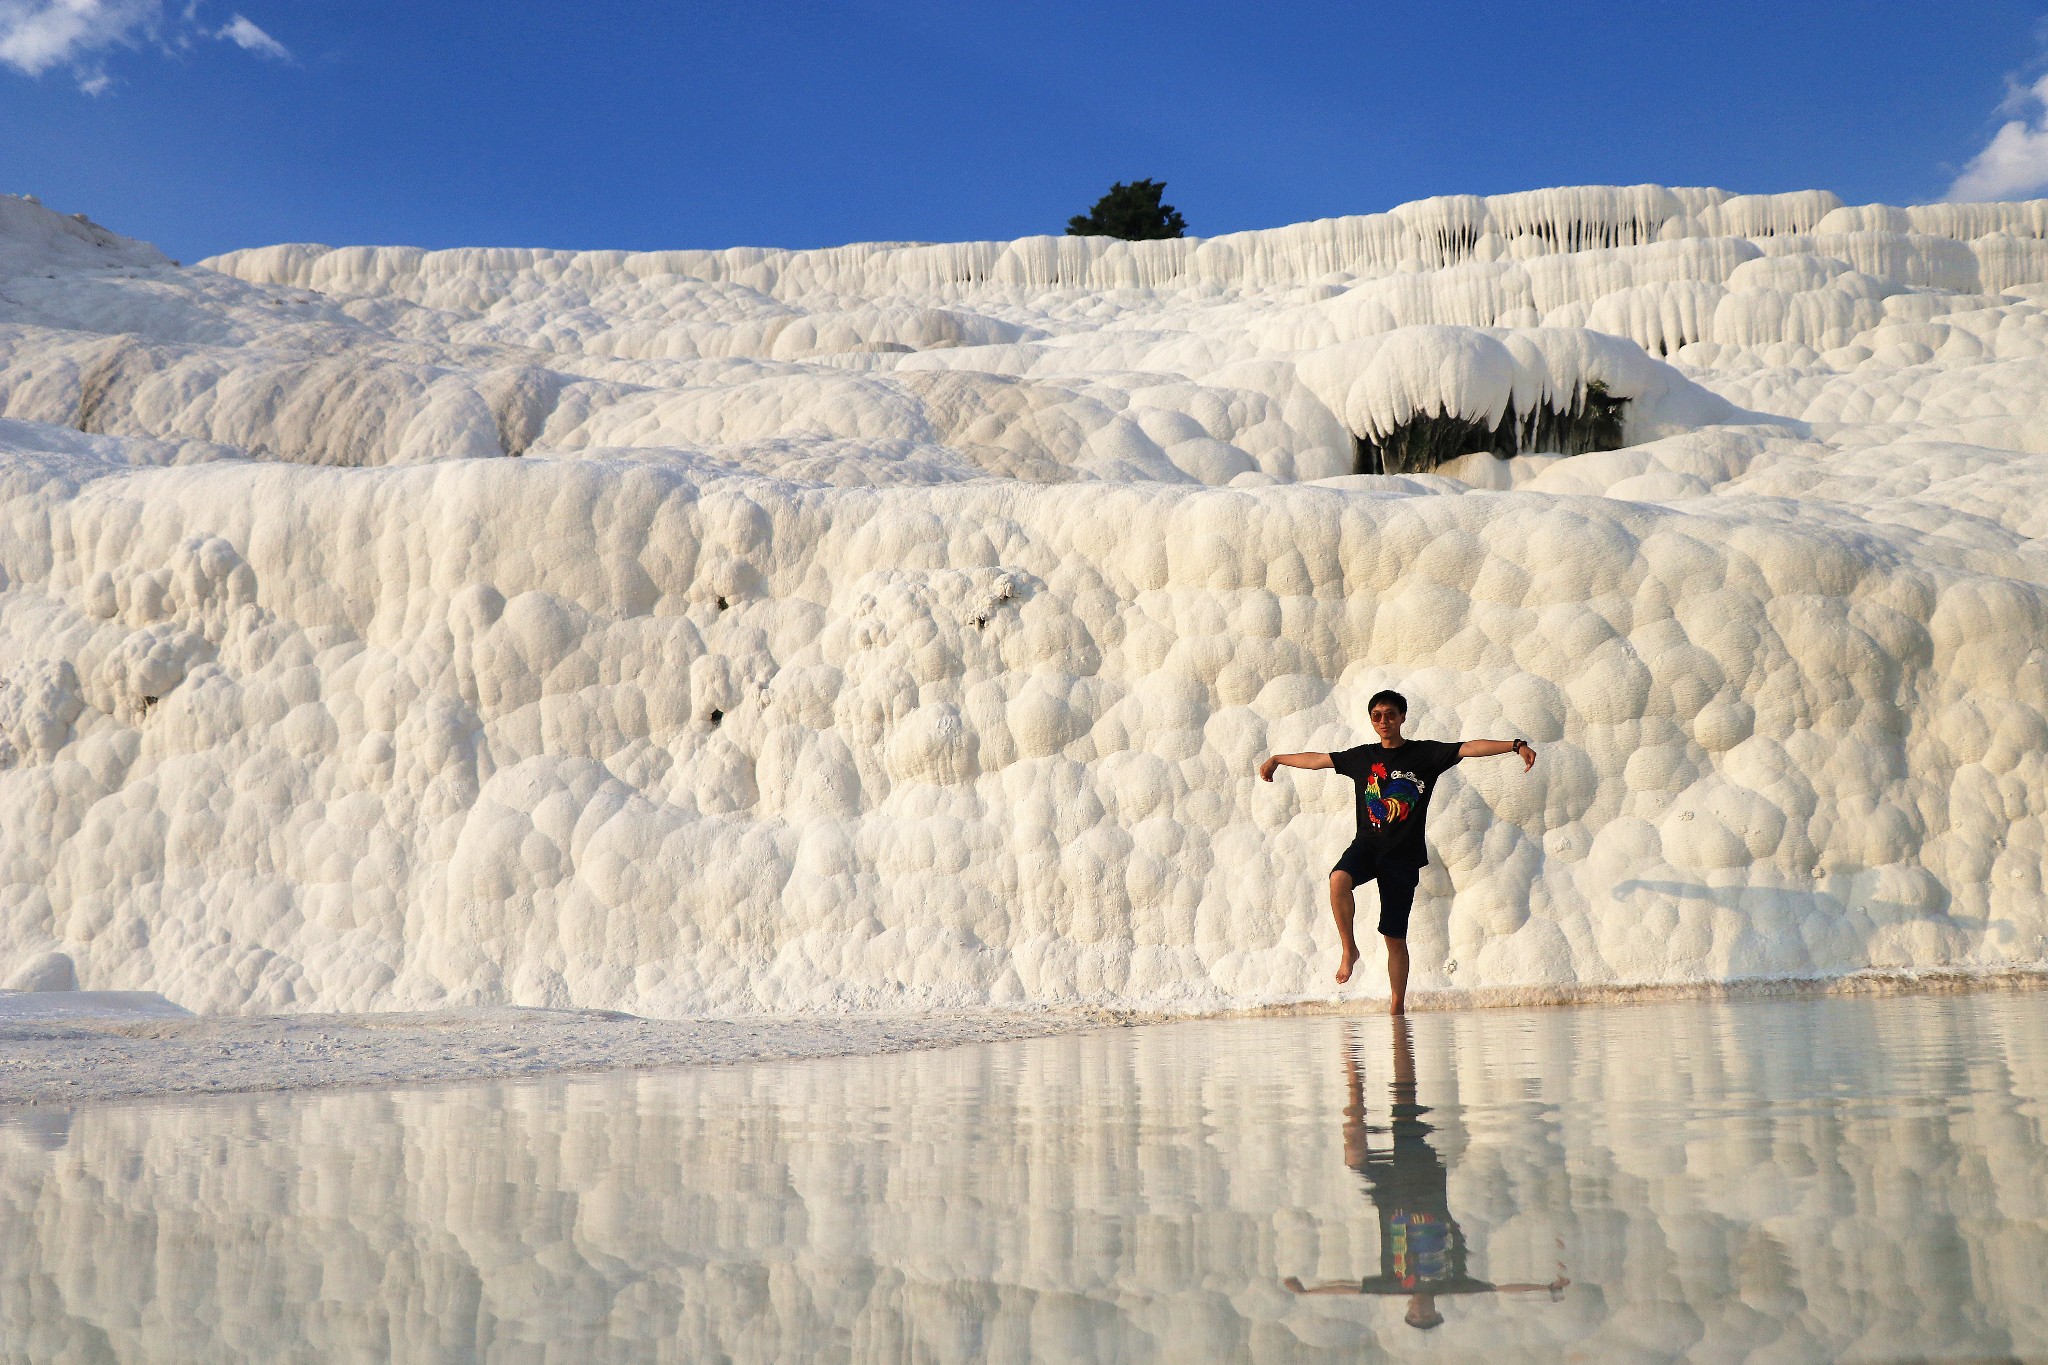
245,35
2015,163
37,36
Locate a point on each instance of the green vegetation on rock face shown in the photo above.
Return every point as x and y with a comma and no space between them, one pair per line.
1132,212
1593,422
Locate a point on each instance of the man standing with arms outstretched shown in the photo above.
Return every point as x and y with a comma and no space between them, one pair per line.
1395,779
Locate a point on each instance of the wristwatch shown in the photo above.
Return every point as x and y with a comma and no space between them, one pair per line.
1520,745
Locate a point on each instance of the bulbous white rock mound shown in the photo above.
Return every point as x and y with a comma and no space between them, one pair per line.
898,626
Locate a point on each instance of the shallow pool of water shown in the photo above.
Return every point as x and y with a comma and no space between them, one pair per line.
1780,1180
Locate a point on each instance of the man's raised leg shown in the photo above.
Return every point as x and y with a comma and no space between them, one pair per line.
1343,908
1397,974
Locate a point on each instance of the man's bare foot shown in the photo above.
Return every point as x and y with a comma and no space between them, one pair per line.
1398,1007
1344,967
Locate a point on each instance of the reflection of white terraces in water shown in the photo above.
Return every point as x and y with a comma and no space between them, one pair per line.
1784,1181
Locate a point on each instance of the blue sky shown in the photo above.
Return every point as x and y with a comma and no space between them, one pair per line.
809,122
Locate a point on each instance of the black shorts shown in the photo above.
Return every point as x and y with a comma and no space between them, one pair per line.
1397,886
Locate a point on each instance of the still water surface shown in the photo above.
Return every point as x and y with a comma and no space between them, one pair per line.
1772,1180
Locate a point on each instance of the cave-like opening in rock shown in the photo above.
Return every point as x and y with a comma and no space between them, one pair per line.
1593,421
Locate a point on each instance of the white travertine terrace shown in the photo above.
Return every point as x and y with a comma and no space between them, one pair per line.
897,626
1854,1180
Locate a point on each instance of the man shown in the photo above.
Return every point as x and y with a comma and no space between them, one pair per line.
1395,779
1422,1249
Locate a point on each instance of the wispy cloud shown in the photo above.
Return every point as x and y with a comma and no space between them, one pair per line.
39,36
2014,164
245,35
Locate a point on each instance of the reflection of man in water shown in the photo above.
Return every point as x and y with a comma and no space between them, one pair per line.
1422,1250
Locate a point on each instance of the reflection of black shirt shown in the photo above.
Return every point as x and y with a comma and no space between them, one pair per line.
1394,787
1422,1250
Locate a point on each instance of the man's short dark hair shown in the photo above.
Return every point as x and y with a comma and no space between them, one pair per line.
1423,1322
1393,699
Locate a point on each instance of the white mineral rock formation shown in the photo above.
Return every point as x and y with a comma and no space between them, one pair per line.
898,626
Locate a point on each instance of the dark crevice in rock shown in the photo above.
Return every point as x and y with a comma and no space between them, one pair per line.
1424,442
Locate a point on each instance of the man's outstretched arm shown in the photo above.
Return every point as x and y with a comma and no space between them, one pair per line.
1295,1286
1277,761
1554,1288
1487,748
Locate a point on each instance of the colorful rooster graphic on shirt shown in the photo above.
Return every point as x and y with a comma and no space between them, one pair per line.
1389,798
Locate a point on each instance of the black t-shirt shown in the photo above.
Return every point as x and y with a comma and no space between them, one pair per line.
1394,788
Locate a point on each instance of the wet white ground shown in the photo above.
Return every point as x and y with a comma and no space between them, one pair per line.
98,1046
